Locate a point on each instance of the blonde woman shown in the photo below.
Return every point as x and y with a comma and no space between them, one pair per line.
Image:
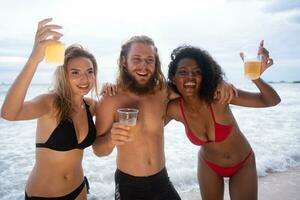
64,118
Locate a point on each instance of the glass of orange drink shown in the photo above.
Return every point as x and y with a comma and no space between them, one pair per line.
55,53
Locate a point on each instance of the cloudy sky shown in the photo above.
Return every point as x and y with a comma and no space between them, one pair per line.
223,27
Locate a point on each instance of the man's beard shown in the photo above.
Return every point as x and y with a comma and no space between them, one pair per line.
134,86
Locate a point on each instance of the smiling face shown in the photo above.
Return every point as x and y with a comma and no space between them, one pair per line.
204,82
139,68
81,75
188,77
140,62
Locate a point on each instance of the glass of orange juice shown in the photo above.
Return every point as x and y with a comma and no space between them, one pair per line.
128,116
55,53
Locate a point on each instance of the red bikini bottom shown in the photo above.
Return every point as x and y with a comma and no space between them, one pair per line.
226,171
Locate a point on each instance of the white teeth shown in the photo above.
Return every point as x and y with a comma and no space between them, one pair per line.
83,86
142,74
190,84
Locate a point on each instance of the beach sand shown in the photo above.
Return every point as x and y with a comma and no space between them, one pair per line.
274,186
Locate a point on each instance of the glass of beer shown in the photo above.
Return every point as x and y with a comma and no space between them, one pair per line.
128,116
252,66
55,53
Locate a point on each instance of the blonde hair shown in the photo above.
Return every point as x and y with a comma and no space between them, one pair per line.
160,81
63,94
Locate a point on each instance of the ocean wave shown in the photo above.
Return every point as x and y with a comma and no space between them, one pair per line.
274,134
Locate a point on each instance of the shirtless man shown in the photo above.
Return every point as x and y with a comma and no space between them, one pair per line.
141,172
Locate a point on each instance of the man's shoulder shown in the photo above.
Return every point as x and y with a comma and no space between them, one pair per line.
161,93
158,95
114,100
106,99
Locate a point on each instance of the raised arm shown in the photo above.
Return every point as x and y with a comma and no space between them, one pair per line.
267,96
14,107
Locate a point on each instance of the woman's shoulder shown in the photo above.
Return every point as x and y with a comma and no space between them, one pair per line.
47,98
173,110
45,102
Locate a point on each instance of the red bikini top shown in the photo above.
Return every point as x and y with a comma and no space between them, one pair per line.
221,131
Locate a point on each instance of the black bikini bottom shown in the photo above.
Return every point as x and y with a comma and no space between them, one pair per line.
70,196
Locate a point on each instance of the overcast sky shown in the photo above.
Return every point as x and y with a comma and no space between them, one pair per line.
223,27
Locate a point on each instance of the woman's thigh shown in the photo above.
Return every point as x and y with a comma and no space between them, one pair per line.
211,184
243,184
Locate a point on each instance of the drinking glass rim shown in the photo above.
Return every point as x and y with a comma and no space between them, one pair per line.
128,110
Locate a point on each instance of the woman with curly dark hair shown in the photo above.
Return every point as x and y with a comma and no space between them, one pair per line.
225,151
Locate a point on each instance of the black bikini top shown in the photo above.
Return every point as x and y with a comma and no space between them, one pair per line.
64,138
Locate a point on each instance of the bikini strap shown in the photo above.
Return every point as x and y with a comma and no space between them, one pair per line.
212,113
182,110
87,105
89,114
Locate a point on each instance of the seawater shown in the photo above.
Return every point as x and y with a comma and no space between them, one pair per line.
274,134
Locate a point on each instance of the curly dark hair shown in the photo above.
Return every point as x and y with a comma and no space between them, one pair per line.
212,73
